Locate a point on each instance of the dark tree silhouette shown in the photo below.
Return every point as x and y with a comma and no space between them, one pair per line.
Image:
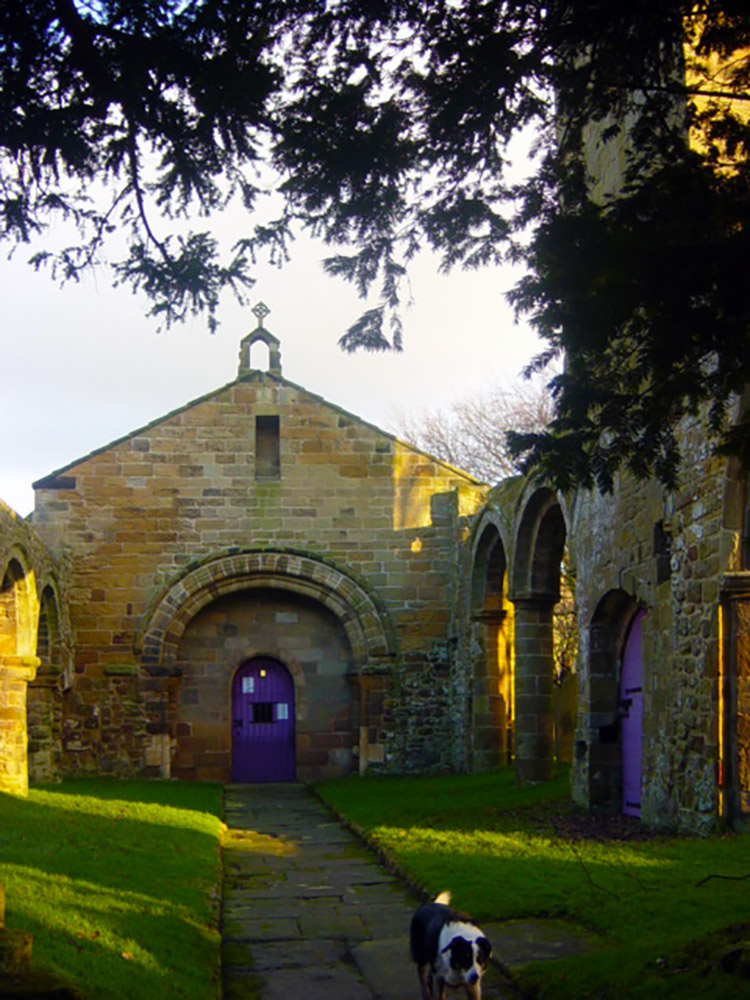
385,128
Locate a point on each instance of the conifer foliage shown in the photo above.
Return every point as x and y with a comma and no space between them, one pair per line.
386,127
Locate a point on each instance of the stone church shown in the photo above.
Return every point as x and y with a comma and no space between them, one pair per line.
255,583
261,586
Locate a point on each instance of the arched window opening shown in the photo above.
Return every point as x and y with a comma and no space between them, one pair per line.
9,609
493,688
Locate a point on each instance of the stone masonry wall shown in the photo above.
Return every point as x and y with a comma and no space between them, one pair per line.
667,551
133,515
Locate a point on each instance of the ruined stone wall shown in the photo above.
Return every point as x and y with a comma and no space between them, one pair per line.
136,514
668,552
31,674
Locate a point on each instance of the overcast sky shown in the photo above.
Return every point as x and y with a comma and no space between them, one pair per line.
82,365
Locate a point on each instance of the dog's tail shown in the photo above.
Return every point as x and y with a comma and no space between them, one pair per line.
444,898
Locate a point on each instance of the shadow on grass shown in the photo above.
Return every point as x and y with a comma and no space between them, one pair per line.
120,893
509,853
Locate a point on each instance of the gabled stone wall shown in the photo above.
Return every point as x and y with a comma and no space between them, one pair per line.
368,513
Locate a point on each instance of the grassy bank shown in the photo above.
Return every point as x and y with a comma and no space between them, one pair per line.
659,908
118,881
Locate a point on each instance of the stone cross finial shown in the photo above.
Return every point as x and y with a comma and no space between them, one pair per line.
261,310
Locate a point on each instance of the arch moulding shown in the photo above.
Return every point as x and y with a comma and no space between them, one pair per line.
366,626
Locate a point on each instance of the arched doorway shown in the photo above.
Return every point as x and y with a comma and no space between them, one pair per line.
306,614
263,722
615,708
631,708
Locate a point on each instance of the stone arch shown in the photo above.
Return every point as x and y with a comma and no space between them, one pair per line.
263,587
18,619
539,544
44,697
538,553
367,629
607,633
18,607
492,666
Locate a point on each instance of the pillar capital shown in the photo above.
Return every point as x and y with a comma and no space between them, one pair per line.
534,602
21,668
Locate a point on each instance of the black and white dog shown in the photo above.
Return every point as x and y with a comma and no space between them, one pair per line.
449,950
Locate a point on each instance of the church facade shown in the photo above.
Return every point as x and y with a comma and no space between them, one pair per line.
254,579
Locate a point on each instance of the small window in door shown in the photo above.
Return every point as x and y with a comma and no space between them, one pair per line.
263,711
248,685
282,711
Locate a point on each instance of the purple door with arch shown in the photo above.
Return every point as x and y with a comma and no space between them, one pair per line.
263,722
631,703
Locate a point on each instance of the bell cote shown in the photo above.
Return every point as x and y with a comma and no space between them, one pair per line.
264,336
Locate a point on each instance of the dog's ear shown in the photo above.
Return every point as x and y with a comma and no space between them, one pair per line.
484,948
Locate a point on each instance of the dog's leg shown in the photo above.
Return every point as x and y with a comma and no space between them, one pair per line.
423,974
440,992
473,991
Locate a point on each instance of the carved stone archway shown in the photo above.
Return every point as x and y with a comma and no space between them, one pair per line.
368,632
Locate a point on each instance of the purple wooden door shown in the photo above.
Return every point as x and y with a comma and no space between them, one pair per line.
631,701
263,722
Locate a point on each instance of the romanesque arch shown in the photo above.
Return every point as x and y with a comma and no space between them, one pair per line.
18,610
539,548
492,711
18,614
367,629
44,697
319,622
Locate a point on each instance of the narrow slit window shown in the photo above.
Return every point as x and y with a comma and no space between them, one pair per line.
267,448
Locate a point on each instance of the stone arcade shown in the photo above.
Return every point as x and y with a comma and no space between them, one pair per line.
260,585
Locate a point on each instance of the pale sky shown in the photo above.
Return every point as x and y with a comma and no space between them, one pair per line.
82,366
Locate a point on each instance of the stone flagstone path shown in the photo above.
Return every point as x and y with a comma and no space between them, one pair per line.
308,912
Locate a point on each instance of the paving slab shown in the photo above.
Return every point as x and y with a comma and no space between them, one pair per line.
300,895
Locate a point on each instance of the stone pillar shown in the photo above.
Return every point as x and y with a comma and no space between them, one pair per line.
535,716
490,709
44,724
15,674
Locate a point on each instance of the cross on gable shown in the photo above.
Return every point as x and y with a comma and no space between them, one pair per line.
261,310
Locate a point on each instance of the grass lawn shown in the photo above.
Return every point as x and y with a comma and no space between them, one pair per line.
119,883
497,848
